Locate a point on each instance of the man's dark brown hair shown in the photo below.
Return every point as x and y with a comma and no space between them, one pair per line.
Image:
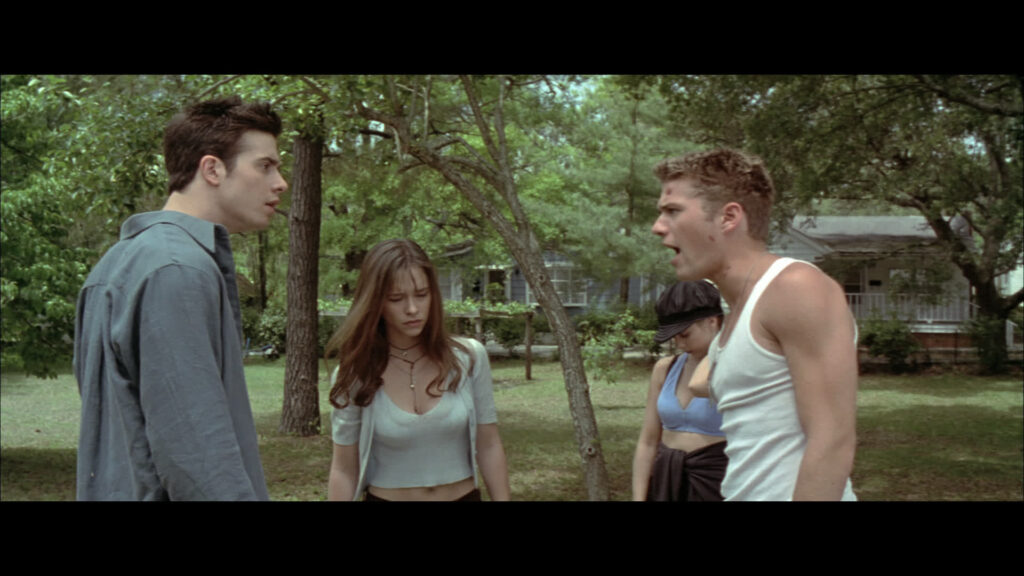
214,128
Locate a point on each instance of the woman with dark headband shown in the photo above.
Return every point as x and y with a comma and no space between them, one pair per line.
680,455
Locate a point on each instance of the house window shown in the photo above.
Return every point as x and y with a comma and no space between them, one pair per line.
570,285
450,282
852,281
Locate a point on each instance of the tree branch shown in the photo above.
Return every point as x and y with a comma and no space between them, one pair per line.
316,89
478,117
212,89
1014,300
998,108
371,132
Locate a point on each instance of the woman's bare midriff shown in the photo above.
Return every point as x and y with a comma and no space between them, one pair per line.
688,441
443,493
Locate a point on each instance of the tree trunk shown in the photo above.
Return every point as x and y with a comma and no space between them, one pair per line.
261,257
630,192
584,421
988,333
989,326
300,413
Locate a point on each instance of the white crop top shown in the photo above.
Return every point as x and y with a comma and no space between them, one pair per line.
412,450
754,392
354,424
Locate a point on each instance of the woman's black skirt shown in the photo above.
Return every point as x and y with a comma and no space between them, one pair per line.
680,476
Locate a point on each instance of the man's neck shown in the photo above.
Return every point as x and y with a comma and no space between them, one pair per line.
188,204
741,271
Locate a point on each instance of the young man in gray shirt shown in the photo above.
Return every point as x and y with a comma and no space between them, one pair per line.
158,342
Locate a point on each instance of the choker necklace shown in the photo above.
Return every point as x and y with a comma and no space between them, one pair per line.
403,351
412,371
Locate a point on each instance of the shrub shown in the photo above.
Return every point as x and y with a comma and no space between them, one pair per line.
594,324
495,292
511,331
891,339
271,327
602,357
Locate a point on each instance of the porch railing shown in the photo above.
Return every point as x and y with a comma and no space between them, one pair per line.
911,308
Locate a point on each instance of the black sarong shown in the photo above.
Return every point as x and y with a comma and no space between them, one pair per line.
680,476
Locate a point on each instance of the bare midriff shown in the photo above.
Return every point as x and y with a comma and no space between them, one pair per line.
444,492
688,441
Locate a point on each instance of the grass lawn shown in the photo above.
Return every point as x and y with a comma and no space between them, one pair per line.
944,436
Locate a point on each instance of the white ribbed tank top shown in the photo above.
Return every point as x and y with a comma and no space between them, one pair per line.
754,392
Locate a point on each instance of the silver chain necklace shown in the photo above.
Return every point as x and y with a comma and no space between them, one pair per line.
412,371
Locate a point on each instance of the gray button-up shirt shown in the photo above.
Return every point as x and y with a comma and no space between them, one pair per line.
158,358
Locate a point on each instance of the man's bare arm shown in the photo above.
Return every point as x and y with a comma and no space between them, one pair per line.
806,312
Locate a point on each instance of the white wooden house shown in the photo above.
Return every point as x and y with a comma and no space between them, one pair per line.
877,260
881,261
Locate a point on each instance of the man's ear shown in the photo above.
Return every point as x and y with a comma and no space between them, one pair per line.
212,169
733,216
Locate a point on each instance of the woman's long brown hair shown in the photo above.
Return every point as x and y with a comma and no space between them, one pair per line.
361,343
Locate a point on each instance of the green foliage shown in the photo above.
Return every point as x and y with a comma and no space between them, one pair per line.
41,276
80,154
511,331
495,293
599,196
890,338
271,327
595,324
947,147
605,344
41,270
469,306
1017,317
926,276
505,321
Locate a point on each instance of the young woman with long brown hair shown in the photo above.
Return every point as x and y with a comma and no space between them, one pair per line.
414,411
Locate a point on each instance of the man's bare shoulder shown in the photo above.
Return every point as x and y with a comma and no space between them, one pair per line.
802,298
800,274
802,283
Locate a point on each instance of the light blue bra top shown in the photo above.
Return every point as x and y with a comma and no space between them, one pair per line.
700,415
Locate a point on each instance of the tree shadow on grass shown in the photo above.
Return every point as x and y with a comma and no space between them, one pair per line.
939,453
37,474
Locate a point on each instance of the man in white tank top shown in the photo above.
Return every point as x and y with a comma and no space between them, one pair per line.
783,370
